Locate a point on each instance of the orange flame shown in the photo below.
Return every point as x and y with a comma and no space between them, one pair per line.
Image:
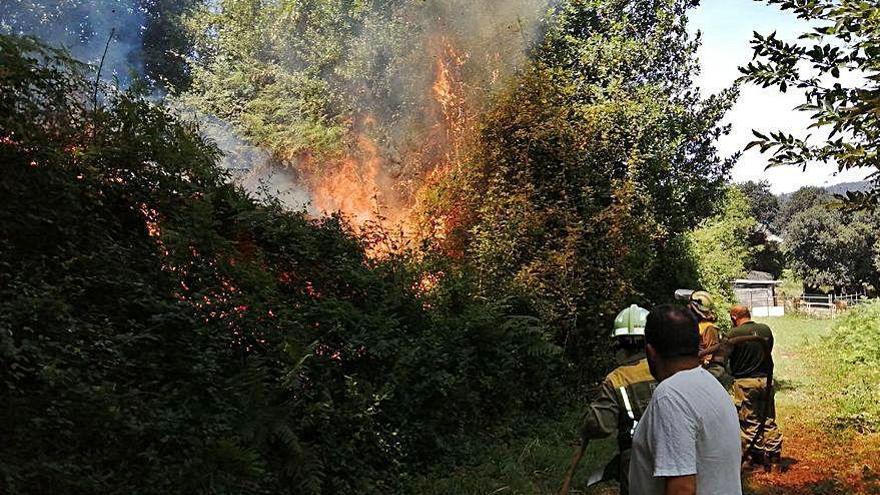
354,187
362,185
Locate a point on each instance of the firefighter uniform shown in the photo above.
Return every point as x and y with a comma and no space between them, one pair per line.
620,403
750,368
701,305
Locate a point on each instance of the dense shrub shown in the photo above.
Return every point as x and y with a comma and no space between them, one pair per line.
854,352
161,332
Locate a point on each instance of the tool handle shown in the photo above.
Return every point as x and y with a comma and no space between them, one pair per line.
575,460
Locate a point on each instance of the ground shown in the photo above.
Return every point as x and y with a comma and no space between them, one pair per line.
820,460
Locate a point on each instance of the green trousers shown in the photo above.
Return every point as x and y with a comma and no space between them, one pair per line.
750,396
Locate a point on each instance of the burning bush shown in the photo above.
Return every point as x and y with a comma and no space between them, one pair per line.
590,170
162,332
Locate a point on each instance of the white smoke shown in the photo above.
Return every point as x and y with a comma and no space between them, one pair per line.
252,167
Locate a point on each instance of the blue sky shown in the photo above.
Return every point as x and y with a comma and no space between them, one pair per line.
727,27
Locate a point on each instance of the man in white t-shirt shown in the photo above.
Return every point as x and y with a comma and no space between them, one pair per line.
688,440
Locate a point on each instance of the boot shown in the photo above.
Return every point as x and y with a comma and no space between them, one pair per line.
776,464
751,461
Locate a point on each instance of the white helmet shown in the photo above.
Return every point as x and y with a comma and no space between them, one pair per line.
630,322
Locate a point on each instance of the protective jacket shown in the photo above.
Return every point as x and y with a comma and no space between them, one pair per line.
709,336
618,406
749,360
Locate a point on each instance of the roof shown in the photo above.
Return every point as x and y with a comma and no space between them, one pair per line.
745,281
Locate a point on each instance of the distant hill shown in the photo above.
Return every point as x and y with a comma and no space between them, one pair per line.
845,187
841,188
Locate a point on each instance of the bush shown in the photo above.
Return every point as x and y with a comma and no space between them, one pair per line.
854,352
162,332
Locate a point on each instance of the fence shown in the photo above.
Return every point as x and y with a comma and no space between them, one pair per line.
828,304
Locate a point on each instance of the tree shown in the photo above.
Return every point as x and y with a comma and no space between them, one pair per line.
589,170
763,204
167,44
721,245
803,199
835,64
833,249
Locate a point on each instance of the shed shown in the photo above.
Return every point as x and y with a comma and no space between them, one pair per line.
758,292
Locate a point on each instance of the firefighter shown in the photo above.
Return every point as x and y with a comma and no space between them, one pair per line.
751,364
700,304
624,395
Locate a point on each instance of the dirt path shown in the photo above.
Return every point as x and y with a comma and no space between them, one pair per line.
819,461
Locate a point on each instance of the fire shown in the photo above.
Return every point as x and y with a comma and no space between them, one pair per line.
368,187
355,187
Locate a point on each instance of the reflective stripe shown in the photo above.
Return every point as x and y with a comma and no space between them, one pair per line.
636,332
629,409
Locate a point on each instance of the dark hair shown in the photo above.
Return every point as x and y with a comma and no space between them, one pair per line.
673,331
631,343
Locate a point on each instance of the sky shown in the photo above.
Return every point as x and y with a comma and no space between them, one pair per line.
727,27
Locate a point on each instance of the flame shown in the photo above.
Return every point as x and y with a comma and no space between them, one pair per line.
354,186
362,185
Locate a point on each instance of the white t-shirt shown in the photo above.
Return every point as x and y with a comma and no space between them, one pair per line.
690,427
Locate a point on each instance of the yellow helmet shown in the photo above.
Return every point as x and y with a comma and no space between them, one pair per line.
701,304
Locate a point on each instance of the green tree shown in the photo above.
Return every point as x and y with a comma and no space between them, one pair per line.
590,169
836,66
721,245
167,44
831,248
763,204
803,199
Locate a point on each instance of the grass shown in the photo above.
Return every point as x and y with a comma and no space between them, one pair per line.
534,464
795,372
816,372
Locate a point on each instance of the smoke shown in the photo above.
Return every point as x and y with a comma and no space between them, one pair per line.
83,27
415,77
252,167
426,71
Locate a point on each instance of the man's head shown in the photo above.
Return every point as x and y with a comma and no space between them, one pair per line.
740,314
672,340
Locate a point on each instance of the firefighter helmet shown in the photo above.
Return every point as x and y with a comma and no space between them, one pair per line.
701,304
630,322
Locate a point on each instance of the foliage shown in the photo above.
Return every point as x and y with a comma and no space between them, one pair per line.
161,332
721,246
836,64
765,253
308,79
167,44
800,200
148,36
791,285
852,349
830,247
590,169
530,464
763,204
